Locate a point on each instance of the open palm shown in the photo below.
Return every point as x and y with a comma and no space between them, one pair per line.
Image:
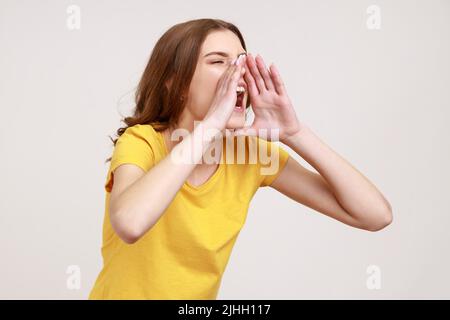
272,106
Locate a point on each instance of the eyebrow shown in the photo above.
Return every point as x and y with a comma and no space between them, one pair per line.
221,53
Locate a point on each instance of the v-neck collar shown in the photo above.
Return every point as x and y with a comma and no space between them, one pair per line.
211,180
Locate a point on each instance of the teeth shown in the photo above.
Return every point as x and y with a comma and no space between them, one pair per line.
240,89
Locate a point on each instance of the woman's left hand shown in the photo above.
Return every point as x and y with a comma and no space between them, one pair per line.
270,103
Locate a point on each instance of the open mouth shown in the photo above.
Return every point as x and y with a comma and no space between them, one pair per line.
240,92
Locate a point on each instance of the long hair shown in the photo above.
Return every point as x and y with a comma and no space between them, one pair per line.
173,59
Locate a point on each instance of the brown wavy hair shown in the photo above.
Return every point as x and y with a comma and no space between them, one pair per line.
172,60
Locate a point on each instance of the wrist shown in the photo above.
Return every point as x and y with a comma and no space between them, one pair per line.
293,137
207,132
212,123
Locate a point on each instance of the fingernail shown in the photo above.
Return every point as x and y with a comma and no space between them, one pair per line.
238,60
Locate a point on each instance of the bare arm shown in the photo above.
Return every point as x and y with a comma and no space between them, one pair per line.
138,199
340,191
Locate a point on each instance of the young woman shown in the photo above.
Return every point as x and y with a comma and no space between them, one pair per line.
169,226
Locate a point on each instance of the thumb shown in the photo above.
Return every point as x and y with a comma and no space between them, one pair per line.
246,131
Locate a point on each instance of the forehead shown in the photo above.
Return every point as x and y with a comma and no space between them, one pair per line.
224,40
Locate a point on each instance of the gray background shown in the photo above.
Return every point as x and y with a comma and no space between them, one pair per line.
380,98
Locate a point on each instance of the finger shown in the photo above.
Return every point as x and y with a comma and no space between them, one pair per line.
234,79
235,75
255,73
264,73
251,84
231,69
223,81
276,78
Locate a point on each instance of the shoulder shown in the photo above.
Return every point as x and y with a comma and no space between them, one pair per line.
271,160
138,145
142,136
144,132
264,149
140,142
253,149
263,159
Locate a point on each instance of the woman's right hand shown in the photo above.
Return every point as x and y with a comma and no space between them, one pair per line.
225,97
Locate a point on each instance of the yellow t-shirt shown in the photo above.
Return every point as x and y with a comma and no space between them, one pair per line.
184,255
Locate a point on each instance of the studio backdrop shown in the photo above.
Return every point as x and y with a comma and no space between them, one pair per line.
371,78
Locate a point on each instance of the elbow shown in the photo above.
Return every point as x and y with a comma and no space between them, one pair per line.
384,219
125,230
129,237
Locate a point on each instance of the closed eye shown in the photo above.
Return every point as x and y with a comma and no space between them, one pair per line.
217,62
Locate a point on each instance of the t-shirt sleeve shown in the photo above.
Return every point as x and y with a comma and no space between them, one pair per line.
132,147
272,158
